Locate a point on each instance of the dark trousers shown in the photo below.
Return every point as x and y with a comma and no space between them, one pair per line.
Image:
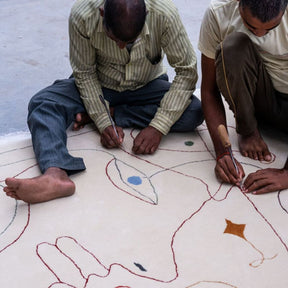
246,86
53,109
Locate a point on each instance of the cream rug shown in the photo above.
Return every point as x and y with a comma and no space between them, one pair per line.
144,221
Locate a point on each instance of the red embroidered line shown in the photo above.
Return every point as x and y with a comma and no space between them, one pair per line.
110,179
22,232
265,219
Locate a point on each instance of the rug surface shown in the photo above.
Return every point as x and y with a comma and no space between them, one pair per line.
161,220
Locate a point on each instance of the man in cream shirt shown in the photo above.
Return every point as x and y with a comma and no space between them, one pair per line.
244,47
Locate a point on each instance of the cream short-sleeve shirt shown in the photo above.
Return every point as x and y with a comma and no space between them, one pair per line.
223,17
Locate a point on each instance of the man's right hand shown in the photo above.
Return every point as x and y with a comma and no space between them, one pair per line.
109,138
226,172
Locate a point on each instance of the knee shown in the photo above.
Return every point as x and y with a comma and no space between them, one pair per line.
197,113
234,47
33,103
191,118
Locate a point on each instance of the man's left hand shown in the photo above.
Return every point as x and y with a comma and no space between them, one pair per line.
147,141
266,180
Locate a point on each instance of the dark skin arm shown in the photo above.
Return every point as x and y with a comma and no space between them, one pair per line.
267,180
214,114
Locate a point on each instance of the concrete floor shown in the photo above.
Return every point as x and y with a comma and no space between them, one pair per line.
34,51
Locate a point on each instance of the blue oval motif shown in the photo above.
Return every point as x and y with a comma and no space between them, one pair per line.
135,180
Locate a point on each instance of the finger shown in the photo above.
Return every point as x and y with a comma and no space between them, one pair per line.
149,149
264,190
138,147
241,171
249,184
251,188
107,143
121,134
259,185
114,139
229,169
221,174
254,178
109,138
153,149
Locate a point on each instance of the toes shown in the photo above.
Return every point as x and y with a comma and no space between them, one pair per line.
78,117
255,155
251,155
10,192
267,157
244,153
12,184
12,195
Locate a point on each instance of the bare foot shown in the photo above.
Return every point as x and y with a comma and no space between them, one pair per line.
81,120
54,183
254,147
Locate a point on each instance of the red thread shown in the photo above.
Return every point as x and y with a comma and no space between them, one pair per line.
222,155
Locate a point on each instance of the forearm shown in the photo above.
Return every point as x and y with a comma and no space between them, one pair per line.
214,114
181,56
171,108
83,63
90,89
212,104
178,98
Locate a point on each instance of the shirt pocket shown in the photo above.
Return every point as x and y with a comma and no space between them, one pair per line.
155,59
145,69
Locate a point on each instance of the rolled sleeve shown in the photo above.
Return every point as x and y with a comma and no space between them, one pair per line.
209,36
181,56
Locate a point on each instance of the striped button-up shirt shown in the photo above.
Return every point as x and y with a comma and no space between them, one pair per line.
98,62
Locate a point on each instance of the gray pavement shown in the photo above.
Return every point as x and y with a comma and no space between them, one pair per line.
34,51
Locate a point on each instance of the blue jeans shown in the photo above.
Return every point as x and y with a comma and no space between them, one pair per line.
53,109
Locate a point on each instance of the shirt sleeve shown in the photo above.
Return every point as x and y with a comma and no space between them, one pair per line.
83,63
209,37
181,56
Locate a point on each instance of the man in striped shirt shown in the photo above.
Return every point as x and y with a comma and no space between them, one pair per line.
116,51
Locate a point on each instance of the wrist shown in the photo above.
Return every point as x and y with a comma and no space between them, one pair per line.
221,155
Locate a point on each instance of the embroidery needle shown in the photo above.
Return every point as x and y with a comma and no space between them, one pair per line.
227,144
109,115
